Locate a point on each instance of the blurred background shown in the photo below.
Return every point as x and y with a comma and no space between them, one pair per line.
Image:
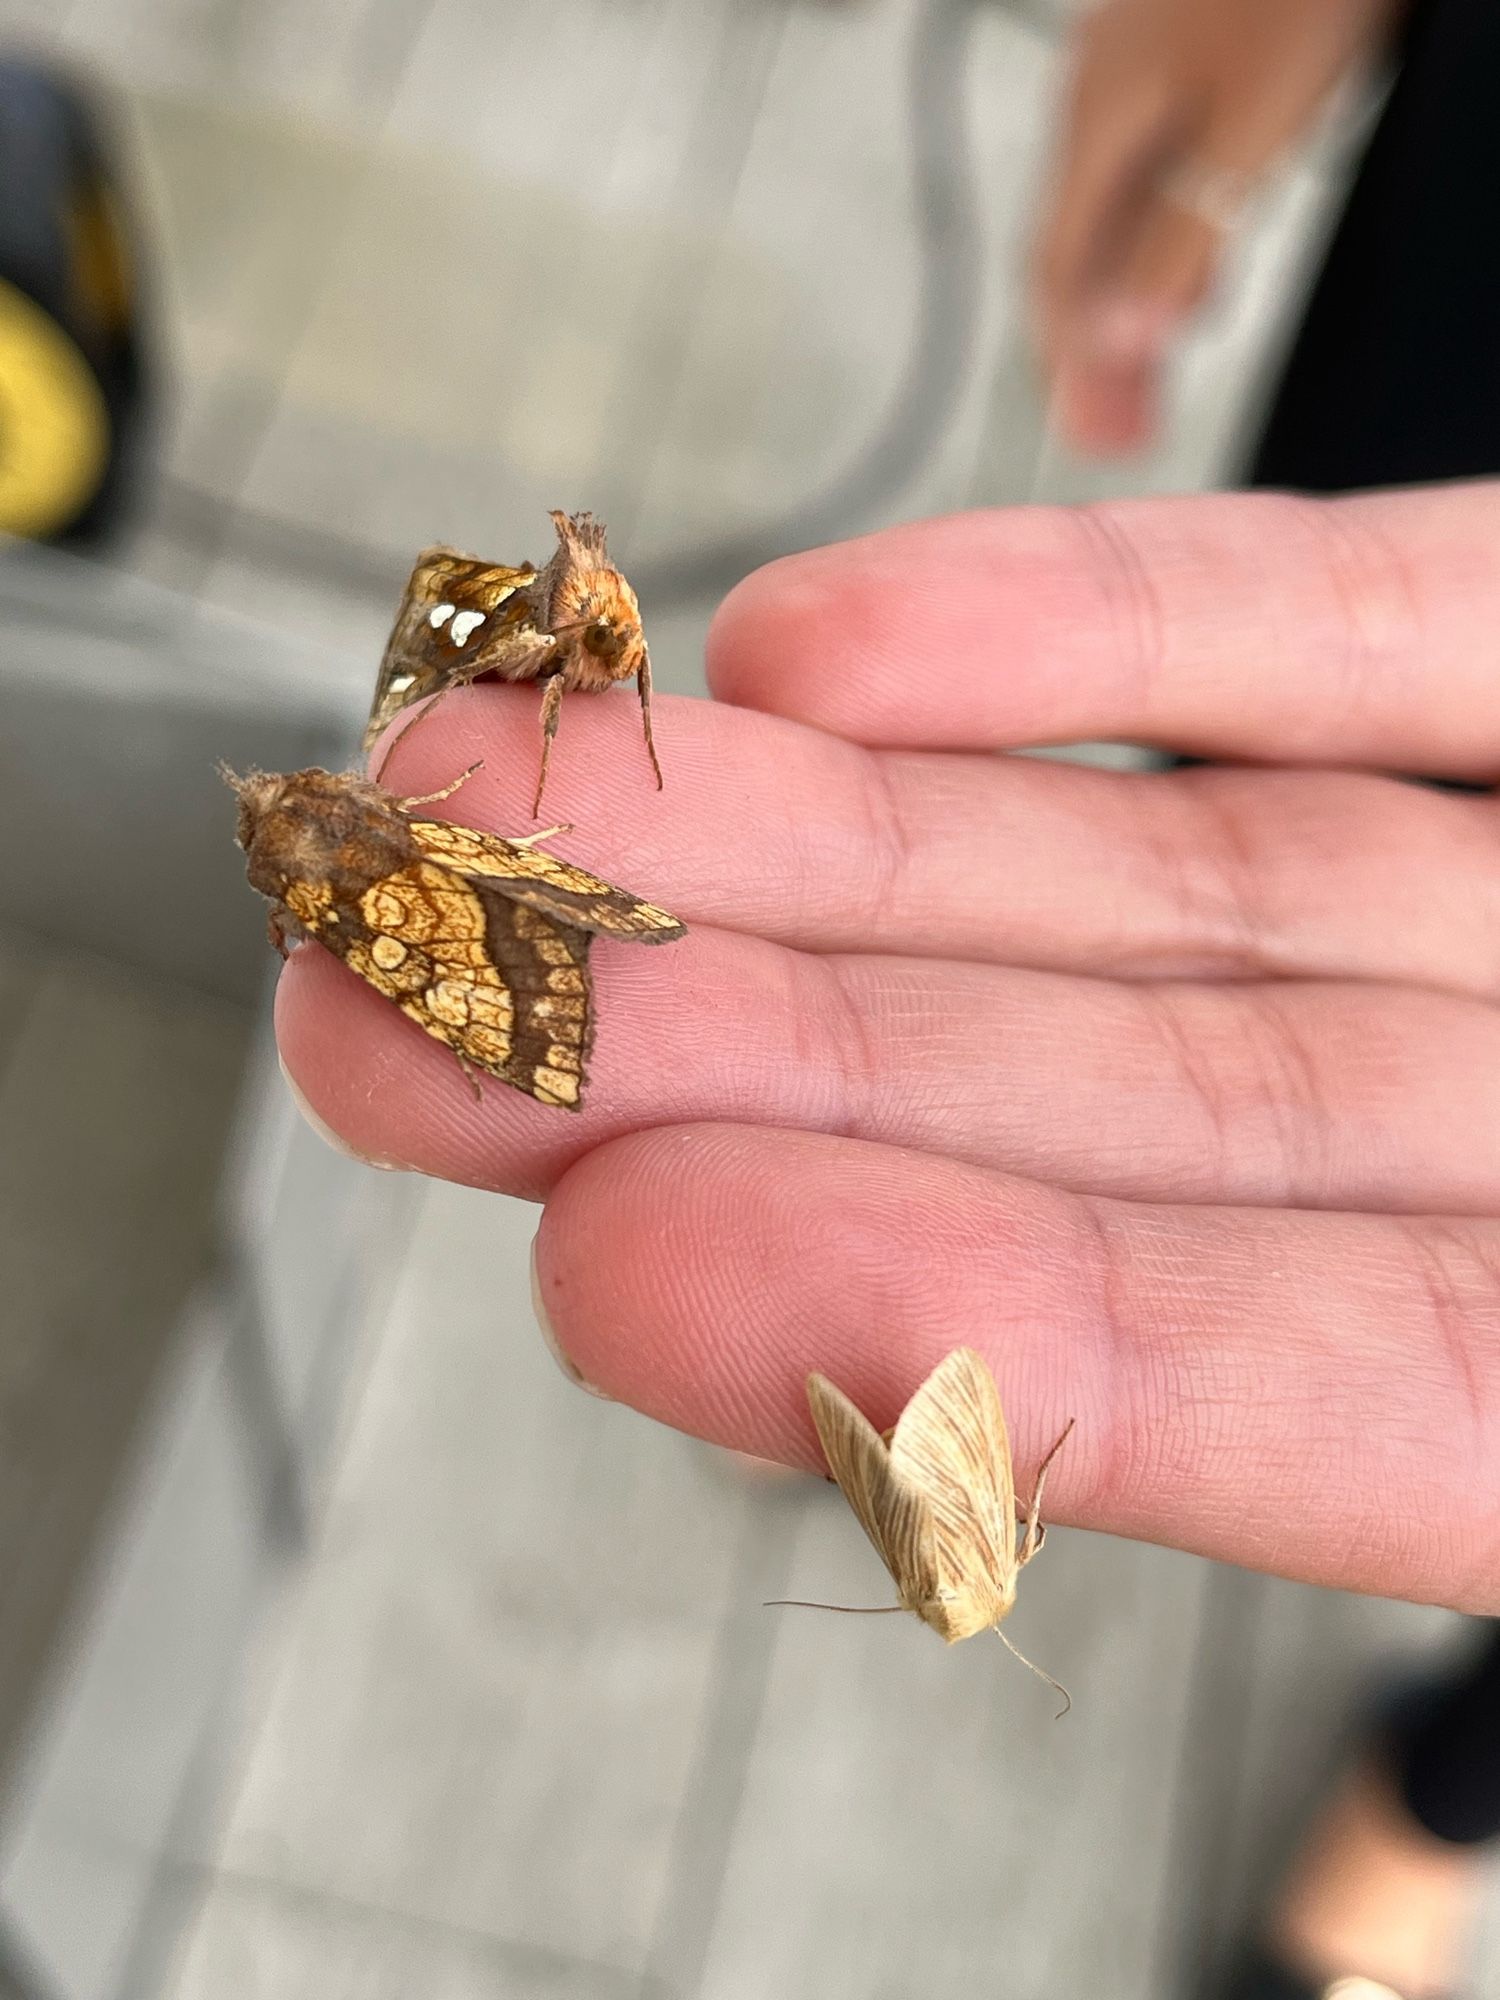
346,1650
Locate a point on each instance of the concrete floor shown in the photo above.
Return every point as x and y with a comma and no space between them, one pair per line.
521,1726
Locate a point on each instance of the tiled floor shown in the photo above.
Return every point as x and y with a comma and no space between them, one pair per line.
522,1727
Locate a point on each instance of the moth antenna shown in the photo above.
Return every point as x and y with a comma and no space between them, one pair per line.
1040,1672
855,1610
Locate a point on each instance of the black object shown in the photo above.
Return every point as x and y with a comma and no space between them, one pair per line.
1394,375
1443,1745
73,392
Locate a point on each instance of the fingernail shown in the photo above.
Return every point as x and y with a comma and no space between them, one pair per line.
549,1336
327,1134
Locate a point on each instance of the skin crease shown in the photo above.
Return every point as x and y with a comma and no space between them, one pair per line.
1159,86
1167,1092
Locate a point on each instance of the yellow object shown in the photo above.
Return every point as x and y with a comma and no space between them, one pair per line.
54,424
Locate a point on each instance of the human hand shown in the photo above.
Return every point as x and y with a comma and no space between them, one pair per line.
1176,1094
1173,107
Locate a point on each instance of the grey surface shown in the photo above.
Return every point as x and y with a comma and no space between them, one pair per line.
120,702
115,1099
156,1618
526,1692
162,1415
131,961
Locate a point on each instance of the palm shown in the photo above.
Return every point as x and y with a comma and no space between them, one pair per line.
1177,1095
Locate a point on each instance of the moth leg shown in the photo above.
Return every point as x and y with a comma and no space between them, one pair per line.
643,687
432,798
1036,1534
545,833
552,696
411,724
471,1075
278,924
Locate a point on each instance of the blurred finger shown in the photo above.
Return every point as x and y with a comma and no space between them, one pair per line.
1112,137
1108,367
1318,1396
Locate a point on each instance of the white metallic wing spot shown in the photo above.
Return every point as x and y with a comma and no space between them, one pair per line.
464,626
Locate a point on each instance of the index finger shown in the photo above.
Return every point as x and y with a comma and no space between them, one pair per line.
1244,626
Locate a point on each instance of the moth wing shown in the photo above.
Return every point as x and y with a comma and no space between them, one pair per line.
421,658
892,1513
546,966
569,895
502,985
951,1446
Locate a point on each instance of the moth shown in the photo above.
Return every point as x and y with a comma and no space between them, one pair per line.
936,1495
572,623
482,941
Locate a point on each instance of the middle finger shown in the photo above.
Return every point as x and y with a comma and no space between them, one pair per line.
1302,1094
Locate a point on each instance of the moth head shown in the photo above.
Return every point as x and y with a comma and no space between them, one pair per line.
612,639
592,609
959,1614
604,639
598,617
258,793
313,825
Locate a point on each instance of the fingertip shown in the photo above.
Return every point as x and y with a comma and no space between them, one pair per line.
637,1240
311,1023
1106,412
840,637
765,627
697,1273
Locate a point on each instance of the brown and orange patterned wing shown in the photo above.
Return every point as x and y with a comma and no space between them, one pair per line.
505,987
558,889
459,618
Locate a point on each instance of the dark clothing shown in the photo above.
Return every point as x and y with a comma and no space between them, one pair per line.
1394,378
1445,1748
1394,375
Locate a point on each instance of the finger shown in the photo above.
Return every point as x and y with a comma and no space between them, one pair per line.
1108,358
802,837
1314,1395
1327,1096
1354,631
1172,266
1113,133
1105,406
